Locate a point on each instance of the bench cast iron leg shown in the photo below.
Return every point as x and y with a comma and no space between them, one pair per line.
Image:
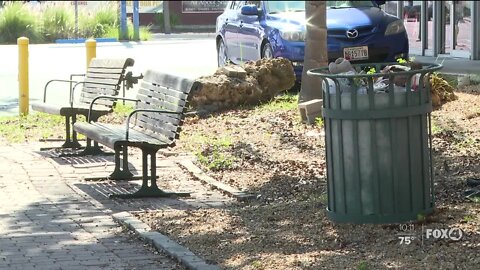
151,190
121,172
69,143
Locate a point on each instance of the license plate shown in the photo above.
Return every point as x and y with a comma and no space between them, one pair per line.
355,53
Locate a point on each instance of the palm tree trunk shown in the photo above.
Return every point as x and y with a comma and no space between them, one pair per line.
316,54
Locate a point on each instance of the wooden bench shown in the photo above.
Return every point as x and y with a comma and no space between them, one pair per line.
103,77
154,123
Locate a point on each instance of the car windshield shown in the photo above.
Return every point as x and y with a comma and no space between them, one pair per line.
284,6
349,4
299,6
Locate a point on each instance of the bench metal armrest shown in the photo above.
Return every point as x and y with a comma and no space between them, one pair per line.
143,110
77,75
72,92
105,97
46,85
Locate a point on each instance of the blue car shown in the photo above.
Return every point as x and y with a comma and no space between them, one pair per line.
357,30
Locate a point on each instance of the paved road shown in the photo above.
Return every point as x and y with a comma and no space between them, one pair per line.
191,57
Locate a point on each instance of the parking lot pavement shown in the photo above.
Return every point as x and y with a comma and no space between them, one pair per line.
51,219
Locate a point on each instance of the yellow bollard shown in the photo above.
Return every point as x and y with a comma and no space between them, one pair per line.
23,84
91,45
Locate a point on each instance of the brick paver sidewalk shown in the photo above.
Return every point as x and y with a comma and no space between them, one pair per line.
45,224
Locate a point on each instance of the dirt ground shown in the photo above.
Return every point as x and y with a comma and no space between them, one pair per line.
273,155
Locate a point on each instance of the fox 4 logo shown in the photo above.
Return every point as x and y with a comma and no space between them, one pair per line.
453,234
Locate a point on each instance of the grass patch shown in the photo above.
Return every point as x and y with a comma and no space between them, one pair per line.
284,102
17,129
213,152
37,126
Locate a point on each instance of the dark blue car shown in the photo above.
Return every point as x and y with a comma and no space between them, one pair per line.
357,30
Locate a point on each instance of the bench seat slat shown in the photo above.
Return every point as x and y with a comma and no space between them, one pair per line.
162,117
160,104
111,63
169,81
102,81
105,70
115,76
102,86
162,96
91,93
108,134
167,129
162,89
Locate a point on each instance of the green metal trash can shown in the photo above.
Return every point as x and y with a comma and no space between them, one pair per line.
378,144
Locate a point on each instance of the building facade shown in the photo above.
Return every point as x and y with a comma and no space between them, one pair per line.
440,28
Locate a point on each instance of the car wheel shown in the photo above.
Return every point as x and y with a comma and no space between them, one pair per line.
267,51
222,57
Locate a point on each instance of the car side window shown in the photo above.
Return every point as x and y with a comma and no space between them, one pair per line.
238,5
256,3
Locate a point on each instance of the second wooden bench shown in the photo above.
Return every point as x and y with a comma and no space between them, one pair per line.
154,123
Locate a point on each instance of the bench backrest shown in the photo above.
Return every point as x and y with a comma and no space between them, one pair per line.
160,91
104,77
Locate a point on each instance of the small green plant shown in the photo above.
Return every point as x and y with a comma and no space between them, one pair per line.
468,218
122,109
214,154
405,61
363,265
436,129
319,122
372,71
257,265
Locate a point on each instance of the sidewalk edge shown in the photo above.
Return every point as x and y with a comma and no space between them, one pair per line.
163,242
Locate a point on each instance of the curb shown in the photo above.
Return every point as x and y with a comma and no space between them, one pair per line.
163,242
203,177
160,241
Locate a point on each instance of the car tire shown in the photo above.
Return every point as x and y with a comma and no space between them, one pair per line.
222,57
267,51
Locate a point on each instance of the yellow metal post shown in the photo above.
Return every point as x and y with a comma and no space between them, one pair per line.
91,45
23,84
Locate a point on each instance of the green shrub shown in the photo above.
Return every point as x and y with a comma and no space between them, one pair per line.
114,32
106,15
98,24
144,31
17,20
111,32
57,22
